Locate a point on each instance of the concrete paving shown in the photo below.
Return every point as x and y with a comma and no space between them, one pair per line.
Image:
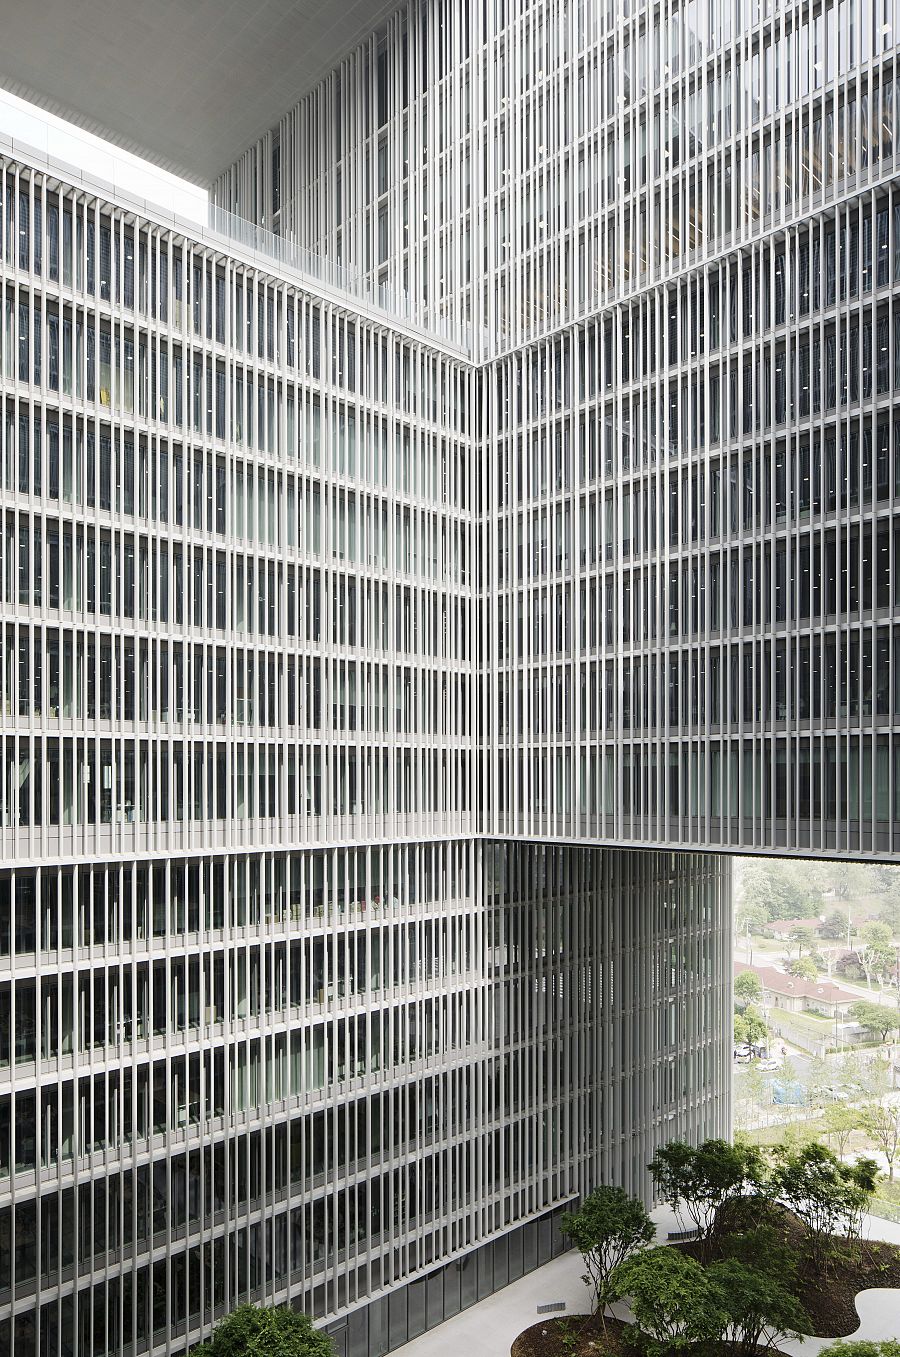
488,1328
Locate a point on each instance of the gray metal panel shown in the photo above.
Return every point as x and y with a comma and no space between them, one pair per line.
186,86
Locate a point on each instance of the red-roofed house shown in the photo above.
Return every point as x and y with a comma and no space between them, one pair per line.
800,996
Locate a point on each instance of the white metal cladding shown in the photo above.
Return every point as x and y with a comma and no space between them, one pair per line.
267,1018
676,235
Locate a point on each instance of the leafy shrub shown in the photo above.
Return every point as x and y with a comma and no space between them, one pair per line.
261,1331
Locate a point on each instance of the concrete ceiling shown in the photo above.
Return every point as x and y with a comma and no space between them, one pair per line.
188,84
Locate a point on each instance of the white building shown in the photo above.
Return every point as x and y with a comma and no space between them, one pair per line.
515,492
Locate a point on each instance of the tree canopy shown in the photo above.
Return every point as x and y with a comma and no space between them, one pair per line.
876,1018
840,1121
875,949
673,1300
828,1196
804,968
607,1228
264,1331
862,1347
750,1026
747,988
882,1122
700,1181
775,888
760,1308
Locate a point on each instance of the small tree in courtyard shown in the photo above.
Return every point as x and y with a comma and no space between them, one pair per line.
760,1308
608,1227
699,1182
828,1196
261,1331
672,1298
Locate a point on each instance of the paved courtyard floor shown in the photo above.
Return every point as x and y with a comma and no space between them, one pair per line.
488,1328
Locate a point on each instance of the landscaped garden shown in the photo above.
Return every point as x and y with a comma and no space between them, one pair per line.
770,1249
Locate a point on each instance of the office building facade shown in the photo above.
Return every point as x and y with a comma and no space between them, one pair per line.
394,649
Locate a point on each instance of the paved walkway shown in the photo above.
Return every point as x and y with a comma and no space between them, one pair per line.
487,1329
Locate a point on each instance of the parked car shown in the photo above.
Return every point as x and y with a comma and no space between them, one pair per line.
743,1052
767,1066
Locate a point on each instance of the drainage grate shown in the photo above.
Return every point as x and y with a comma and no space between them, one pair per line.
551,1305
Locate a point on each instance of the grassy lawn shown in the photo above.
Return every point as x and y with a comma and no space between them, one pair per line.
811,1129
813,1023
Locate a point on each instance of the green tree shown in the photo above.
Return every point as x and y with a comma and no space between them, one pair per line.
840,1121
820,1080
799,938
750,1087
760,1308
767,886
835,925
874,948
804,968
876,1018
828,1196
673,1300
750,916
701,1181
750,1026
889,914
747,988
606,1229
881,1121
761,1245
263,1331
848,880
875,1077
862,1347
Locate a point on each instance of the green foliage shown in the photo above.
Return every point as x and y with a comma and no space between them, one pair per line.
862,1347
827,1196
882,1122
756,1243
804,968
608,1227
569,1335
840,1121
701,1181
760,1308
876,1018
875,950
261,1331
750,916
750,1090
750,1026
889,911
747,988
799,939
775,888
875,1077
835,925
820,1079
673,1300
